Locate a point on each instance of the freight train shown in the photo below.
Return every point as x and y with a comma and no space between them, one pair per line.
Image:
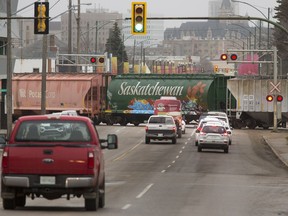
252,108
129,98
126,98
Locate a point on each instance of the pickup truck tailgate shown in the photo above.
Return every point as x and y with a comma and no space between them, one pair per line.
40,159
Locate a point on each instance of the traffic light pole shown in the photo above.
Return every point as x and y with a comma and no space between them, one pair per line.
274,91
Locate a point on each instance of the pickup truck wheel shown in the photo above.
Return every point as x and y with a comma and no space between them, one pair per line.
174,140
147,140
21,201
179,133
93,204
102,195
199,149
9,204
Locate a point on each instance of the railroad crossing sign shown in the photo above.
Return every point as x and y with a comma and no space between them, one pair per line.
275,87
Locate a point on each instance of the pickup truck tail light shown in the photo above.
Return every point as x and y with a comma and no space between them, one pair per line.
90,160
174,129
5,159
146,128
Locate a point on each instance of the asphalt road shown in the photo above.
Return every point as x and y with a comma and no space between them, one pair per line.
162,179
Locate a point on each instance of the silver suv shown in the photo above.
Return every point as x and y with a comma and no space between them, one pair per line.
161,127
213,136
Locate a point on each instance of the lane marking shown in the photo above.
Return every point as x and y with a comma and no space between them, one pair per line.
144,191
127,152
126,206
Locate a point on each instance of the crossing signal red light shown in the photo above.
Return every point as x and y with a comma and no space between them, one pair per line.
279,98
224,57
93,60
233,57
269,98
138,18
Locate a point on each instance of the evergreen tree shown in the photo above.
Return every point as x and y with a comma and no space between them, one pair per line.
115,46
281,37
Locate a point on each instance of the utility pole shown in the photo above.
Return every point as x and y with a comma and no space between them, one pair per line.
96,37
69,32
78,34
43,83
9,106
133,60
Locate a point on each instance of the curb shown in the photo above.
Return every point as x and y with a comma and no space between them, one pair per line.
275,151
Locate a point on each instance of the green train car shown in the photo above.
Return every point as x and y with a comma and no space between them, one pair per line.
130,97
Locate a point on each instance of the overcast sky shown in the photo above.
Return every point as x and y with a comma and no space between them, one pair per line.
175,8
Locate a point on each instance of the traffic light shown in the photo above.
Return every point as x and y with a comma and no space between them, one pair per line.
269,98
138,18
41,18
216,69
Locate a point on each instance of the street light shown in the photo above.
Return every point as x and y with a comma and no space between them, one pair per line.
250,33
141,51
267,18
96,33
251,6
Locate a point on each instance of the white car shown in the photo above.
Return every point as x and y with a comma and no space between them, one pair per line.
200,125
223,117
213,135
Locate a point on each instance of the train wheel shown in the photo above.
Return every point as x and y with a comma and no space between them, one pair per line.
251,123
123,122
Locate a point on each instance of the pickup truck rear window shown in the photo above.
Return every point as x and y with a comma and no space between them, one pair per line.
53,130
160,120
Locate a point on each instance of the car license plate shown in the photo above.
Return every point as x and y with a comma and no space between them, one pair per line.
160,135
47,180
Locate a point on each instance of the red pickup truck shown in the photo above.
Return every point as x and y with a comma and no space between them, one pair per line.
52,156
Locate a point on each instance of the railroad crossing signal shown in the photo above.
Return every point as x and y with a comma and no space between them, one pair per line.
270,98
95,60
275,87
41,18
225,57
138,18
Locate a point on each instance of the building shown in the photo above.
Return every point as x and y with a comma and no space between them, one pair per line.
209,39
94,27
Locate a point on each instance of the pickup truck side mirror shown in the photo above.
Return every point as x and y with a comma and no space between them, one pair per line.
112,142
2,142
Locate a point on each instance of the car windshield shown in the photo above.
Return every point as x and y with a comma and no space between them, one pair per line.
213,129
70,131
161,120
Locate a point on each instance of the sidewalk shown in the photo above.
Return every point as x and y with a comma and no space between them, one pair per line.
278,142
